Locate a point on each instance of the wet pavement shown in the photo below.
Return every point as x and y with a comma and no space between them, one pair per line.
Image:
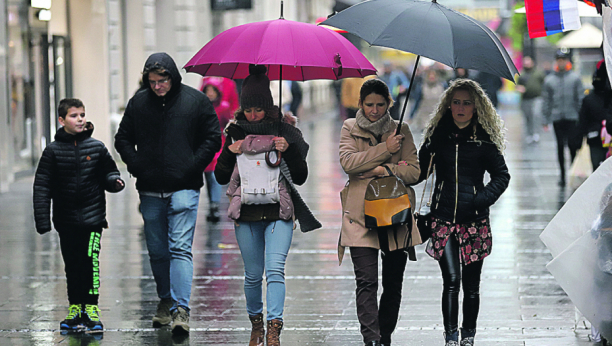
521,303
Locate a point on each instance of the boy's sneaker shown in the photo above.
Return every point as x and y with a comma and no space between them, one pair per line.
91,317
73,320
163,317
180,321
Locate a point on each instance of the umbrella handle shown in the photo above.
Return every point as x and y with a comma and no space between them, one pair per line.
278,159
401,120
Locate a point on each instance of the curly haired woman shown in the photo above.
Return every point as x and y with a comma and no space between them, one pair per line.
463,140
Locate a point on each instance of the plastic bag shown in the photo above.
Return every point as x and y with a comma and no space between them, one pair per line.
581,167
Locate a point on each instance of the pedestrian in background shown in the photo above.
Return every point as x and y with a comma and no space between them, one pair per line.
227,88
529,85
397,83
212,88
264,230
596,107
168,135
73,172
431,88
491,84
562,95
368,143
296,97
350,94
463,140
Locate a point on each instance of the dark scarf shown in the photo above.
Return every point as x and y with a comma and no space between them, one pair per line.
293,135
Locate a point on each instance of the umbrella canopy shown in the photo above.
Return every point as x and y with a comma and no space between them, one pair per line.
579,238
427,29
290,50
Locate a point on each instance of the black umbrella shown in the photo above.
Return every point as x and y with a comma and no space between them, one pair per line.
427,29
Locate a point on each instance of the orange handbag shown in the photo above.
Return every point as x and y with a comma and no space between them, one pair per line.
387,203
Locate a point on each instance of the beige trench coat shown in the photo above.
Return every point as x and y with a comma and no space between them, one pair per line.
361,152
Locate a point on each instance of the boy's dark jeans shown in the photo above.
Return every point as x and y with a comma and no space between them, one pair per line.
81,250
377,323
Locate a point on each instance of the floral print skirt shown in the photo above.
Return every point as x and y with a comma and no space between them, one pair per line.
474,239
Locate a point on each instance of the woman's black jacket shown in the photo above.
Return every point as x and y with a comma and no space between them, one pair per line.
596,106
73,171
461,158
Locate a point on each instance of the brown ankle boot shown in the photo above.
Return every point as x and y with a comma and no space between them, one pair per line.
257,331
274,330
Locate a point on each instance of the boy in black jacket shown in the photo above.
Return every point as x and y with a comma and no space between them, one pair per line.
74,171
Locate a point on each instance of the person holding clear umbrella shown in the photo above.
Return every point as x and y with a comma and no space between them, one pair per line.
464,139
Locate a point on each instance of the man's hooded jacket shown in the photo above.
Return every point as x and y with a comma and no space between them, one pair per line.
167,141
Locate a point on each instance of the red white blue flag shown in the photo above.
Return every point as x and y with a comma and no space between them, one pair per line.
548,17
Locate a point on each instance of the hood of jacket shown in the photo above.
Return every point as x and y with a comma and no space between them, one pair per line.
62,136
162,60
216,82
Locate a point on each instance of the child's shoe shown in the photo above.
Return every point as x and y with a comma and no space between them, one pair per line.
91,317
73,320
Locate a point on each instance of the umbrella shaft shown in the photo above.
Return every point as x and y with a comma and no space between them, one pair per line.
416,64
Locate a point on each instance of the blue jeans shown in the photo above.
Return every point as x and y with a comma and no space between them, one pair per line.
169,225
264,245
213,188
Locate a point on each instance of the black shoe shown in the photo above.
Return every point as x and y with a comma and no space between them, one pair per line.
73,321
213,213
91,318
561,182
373,343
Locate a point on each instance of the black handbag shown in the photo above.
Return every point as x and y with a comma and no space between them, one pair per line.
424,220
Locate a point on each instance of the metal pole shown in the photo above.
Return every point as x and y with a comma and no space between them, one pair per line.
399,126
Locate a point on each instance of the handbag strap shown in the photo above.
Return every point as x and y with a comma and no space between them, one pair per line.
389,171
427,178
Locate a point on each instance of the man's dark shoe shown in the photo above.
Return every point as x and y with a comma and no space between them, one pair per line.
163,317
373,343
180,321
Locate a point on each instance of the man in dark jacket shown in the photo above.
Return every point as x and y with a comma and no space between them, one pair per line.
168,135
562,95
530,86
596,107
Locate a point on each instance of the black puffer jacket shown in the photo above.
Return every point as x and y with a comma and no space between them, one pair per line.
461,158
167,141
596,106
74,171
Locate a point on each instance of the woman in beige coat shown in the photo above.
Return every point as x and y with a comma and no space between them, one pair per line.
367,143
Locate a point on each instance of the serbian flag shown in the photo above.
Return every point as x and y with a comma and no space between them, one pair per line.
547,17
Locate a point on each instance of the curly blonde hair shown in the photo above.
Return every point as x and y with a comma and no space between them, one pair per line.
485,115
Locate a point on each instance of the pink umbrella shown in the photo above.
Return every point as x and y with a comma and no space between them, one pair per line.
290,50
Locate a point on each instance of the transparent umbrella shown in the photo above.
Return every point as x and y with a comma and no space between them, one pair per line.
580,240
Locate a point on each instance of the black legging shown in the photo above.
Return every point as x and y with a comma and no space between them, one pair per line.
564,132
451,275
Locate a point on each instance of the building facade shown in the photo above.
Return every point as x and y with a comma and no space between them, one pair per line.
95,50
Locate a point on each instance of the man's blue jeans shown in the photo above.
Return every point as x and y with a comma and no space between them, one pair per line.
169,225
264,245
